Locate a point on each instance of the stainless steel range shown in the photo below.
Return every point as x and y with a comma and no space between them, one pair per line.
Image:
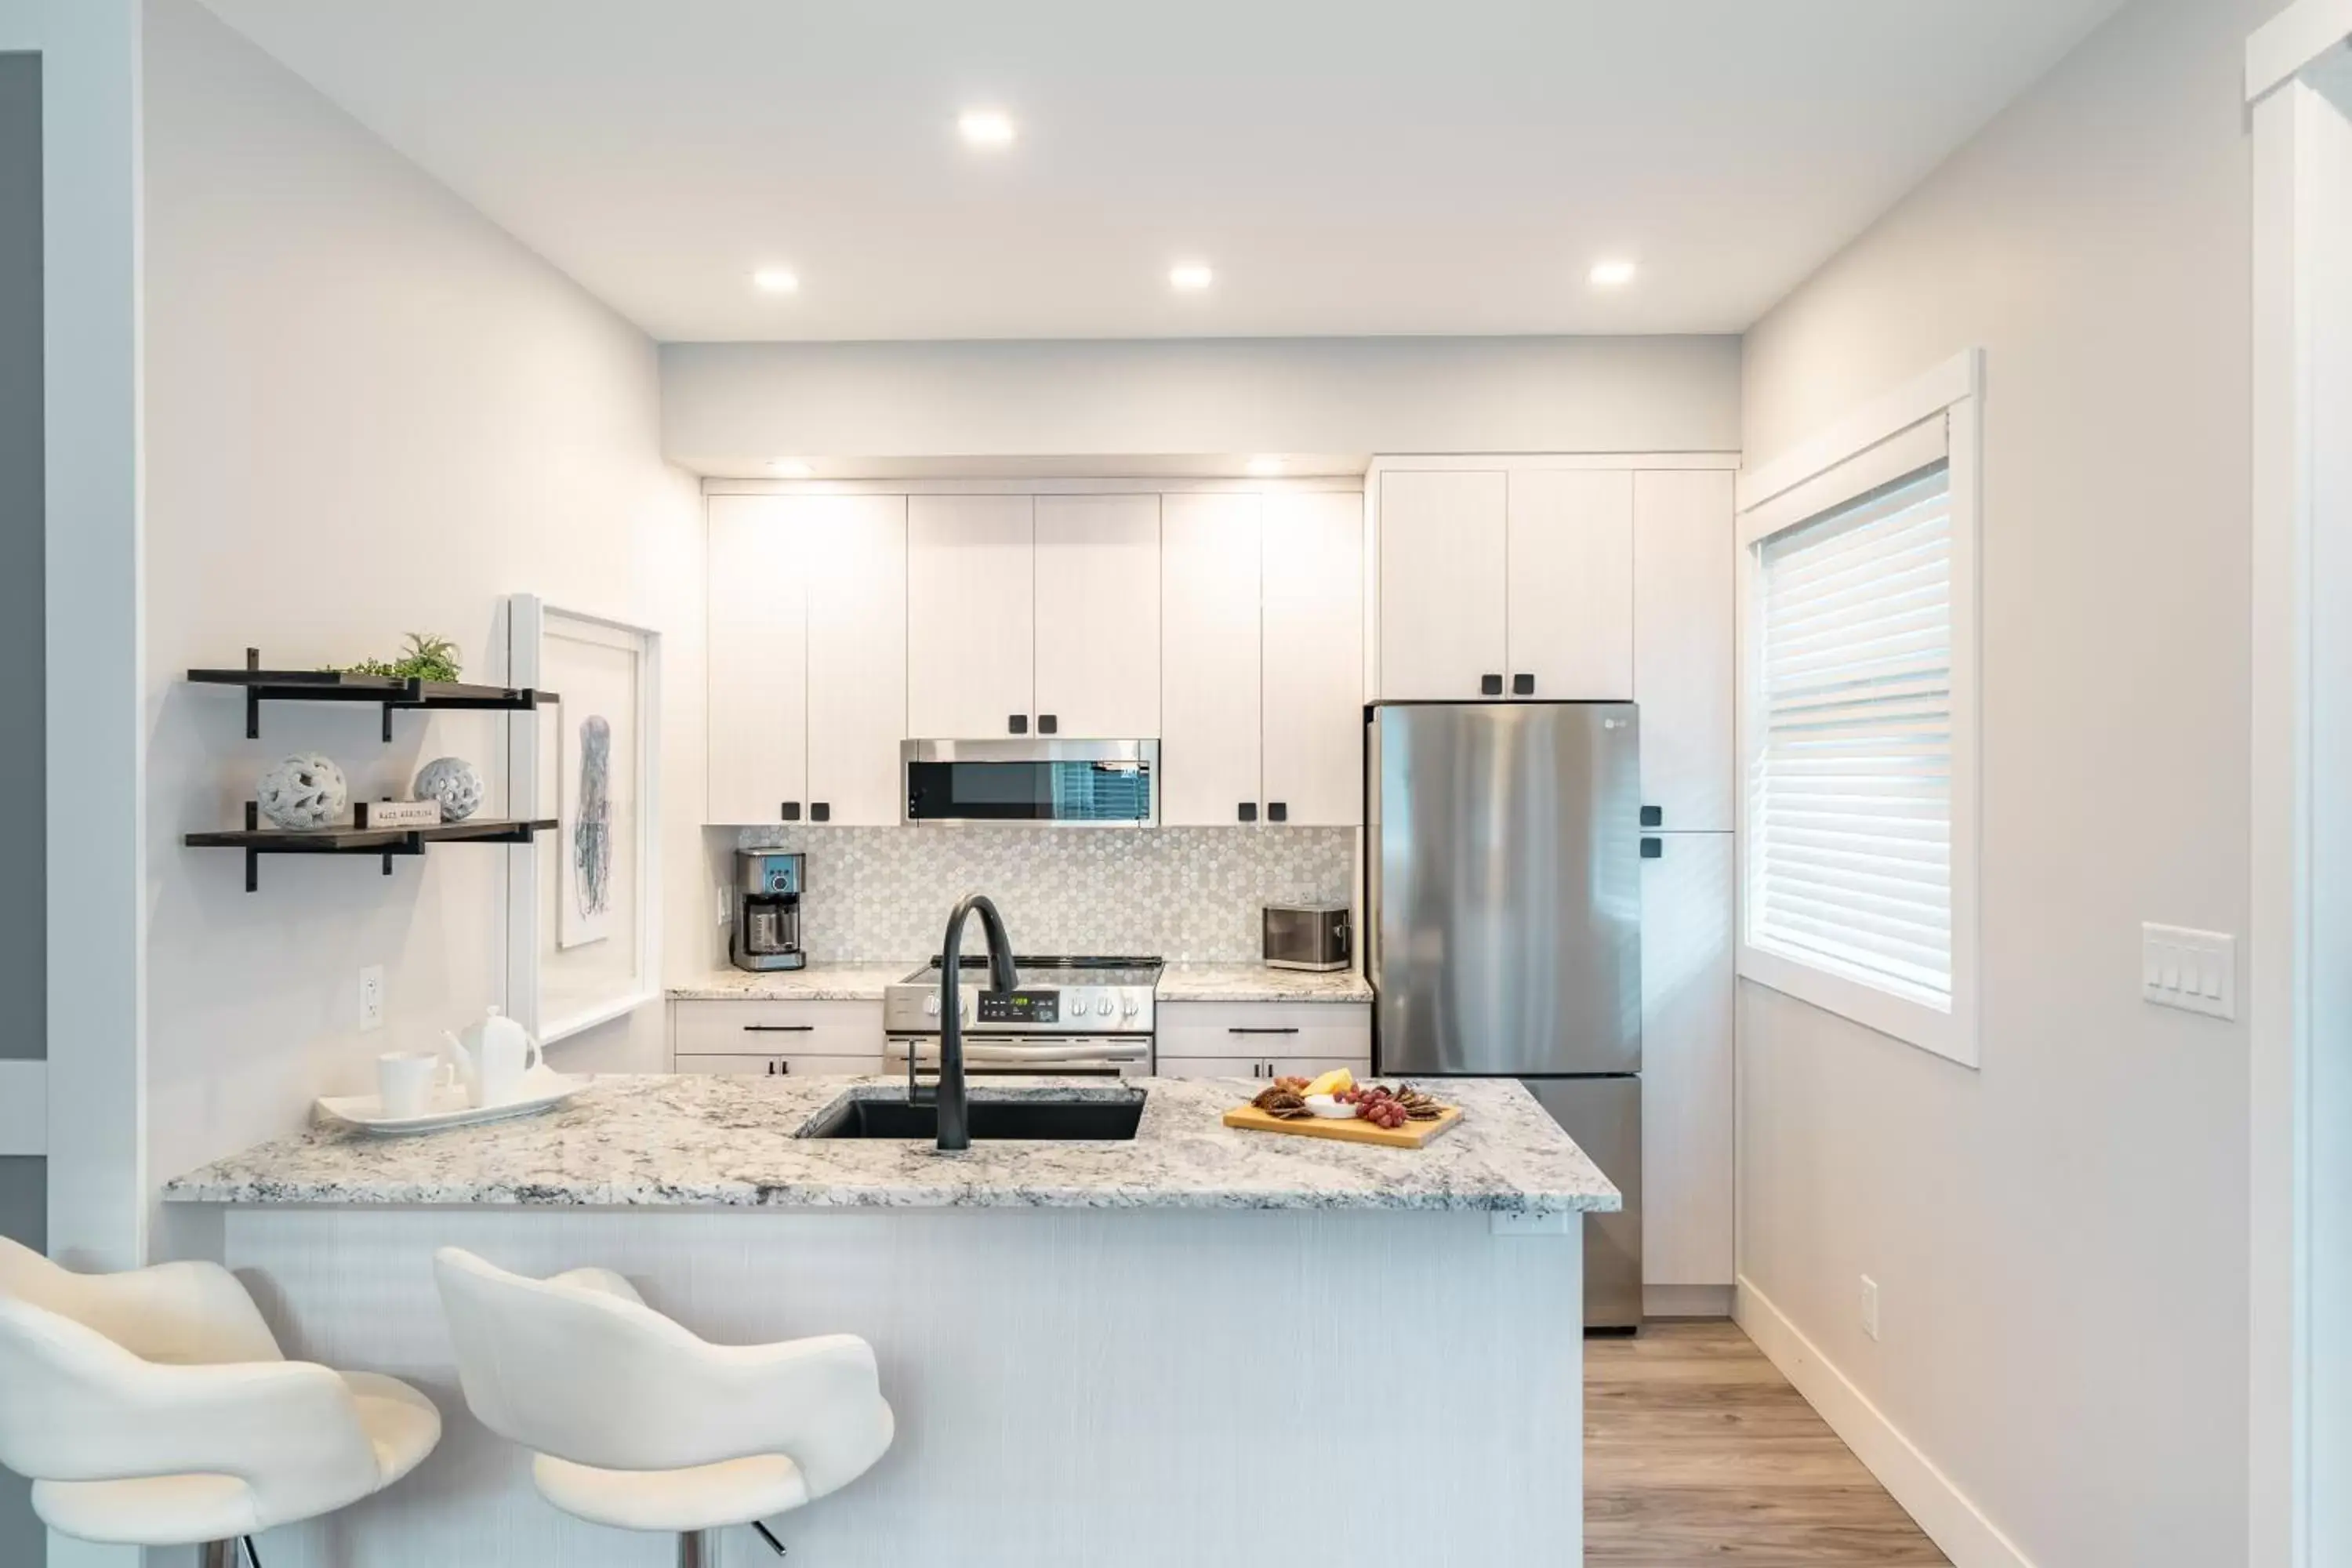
1088,1017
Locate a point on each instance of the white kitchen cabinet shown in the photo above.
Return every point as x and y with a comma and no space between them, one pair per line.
853,561
1210,679
1097,616
1204,1039
1684,581
758,671
1264,1067
753,1031
1443,559
1570,589
1313,643
971,636
782,1066
1689,1066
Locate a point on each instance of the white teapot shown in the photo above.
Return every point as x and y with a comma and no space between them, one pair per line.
494,1056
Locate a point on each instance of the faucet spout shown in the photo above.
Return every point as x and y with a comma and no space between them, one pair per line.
955,1121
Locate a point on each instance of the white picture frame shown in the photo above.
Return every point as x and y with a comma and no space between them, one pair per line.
574,961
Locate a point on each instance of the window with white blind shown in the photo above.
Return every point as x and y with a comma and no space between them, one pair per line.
1858,721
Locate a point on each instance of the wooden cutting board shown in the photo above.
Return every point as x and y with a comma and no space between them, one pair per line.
1346,1129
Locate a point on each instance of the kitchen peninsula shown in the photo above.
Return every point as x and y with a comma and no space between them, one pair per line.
1196,1345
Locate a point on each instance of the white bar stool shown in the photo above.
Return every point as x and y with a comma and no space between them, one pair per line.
638,1423
153,1408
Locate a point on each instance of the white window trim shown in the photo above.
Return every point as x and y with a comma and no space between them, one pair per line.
1877,444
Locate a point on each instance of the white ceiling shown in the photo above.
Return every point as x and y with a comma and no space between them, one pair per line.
1346,166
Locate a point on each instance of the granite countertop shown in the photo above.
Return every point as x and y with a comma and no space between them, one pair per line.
708,1141
1177,983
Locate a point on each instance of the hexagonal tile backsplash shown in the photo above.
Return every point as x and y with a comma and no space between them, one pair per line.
1188,894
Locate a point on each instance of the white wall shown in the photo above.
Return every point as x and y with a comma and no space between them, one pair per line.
728,407
368,412
2060,1238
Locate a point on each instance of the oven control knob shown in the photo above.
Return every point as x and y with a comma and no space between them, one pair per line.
1078,1006
1131,1007
931,1006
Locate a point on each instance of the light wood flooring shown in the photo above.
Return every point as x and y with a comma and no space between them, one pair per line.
1696,1451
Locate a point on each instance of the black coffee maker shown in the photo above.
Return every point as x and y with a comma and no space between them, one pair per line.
767,910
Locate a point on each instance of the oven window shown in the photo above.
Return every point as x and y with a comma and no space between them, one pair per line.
1029,792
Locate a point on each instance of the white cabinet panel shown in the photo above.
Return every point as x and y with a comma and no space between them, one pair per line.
1264,1069
758,685
970,615
1209,677
1684,580
1688,1067
1572,585
1338,1032
854,559
1314,657
1097,616
752,1029
783,1066
1442,570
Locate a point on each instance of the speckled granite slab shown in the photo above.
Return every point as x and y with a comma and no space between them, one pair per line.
705,1141
1256,983
817,983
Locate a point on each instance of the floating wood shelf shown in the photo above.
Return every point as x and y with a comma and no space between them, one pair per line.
391,692
359,838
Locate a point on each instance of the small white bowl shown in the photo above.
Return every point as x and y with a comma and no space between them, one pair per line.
1329,1106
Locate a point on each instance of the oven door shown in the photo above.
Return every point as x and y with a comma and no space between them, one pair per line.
1099,783
1017,1055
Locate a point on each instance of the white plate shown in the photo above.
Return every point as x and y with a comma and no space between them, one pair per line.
544,1090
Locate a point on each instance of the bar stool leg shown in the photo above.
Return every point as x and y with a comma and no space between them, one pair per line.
698,1549
219,1555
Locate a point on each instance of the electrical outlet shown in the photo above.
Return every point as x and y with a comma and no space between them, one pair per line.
726,905
1870,1305
371,996
2195,971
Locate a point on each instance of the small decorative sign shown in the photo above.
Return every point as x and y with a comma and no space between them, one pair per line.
400,814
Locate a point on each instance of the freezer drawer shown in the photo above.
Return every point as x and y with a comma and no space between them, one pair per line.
1604,1115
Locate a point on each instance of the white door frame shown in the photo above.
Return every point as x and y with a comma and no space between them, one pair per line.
2298,71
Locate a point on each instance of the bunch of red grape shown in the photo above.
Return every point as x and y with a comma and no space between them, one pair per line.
1374,1103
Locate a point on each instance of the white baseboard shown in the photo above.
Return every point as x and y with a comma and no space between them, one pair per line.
1686,1300
23,1108
1951,1519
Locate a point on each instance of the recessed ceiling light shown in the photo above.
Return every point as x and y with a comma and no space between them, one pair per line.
788,468
1190,277
1265,468
985,128
776,281
1612,274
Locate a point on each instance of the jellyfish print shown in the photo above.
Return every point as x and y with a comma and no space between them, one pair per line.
591,830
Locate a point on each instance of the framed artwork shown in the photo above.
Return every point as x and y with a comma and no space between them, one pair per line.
583,902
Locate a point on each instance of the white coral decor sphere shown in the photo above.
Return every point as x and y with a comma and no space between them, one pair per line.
455,782
305,791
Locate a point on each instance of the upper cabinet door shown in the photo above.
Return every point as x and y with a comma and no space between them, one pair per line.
1314,653
1209,595
854,557
1572,585
1098,616
1684,580
758,675
970,616
1443,562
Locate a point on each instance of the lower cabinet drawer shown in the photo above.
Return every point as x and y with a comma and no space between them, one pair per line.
1267,1068
781,1066
790,1029
1338,1033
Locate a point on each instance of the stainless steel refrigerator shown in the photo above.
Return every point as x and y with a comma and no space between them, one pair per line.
1503,928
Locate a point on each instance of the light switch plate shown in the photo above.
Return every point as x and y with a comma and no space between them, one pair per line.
2195,971
371,996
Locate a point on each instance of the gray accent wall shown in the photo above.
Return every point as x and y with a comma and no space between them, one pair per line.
24,957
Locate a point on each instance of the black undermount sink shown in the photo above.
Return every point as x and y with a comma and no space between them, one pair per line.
1039,1120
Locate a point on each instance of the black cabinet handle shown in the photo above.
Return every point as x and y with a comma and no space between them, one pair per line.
820,811
780,1028
1048,725
1653,848
1017,723
779,1068
1237,1029
1523,685
1490,686
1247,811
1277,811
1653,816
789,810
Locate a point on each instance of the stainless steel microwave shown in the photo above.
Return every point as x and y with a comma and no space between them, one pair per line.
1099,783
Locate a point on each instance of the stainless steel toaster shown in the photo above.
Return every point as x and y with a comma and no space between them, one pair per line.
1307,936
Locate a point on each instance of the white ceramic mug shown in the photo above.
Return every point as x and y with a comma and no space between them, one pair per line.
405,1081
